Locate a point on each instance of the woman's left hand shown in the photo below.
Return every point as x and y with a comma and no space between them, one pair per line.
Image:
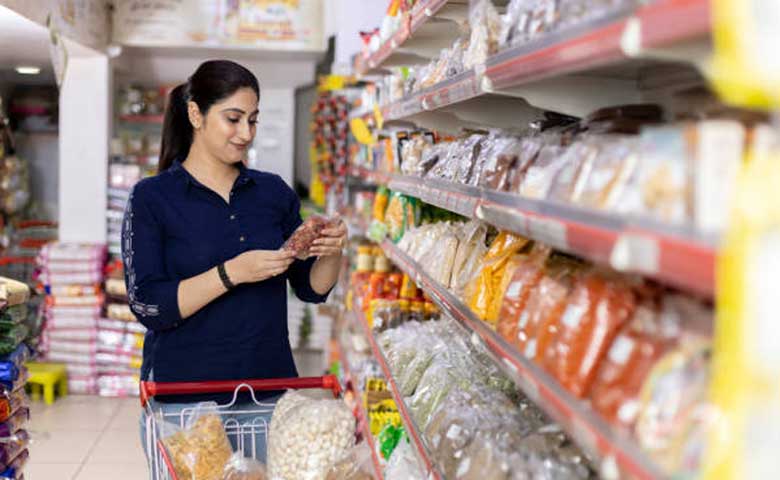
331,242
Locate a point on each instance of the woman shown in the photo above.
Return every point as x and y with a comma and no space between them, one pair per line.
201,246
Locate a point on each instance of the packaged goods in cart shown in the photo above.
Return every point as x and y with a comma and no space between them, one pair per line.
307,436
355,465
242,468
200,450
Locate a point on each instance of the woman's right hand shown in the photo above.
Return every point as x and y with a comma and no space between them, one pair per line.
258,265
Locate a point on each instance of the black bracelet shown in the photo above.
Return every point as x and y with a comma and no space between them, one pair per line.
224,277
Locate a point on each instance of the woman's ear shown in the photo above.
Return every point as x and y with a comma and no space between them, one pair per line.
196,118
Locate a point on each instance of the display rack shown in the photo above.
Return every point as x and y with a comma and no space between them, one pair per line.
663,29
369,177
675,255
362,415
424,13
617,453
410,425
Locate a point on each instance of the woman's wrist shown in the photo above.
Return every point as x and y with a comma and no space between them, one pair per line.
232,272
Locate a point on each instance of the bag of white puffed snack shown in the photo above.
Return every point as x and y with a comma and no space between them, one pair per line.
307,436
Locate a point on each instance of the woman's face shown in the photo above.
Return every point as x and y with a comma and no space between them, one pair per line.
228,129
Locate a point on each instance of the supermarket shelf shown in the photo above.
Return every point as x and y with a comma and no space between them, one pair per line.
420,14
370,177
652,31
617,453
673,255
362,416
143,119
410,425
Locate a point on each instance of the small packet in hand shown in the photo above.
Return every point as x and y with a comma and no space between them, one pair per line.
302,239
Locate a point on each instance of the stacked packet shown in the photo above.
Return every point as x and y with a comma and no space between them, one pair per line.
120,340
73,274
14,405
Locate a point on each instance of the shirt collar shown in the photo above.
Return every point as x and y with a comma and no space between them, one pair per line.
244,178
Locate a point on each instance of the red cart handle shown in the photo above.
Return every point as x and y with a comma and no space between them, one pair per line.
152,389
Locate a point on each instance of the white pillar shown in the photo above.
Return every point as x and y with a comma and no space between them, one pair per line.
85,123
275,140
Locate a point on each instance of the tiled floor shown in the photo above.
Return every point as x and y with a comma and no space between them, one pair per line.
86,438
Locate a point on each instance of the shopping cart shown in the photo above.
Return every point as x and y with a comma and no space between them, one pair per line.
242,427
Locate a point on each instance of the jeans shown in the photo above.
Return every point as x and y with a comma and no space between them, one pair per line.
245,423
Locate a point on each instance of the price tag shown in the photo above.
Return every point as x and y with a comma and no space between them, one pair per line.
527,385
507,218
634,252
487,84
550,231
581,432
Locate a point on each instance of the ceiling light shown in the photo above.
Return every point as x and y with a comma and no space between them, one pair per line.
24,70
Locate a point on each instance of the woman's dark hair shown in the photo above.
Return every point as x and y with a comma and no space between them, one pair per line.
212,82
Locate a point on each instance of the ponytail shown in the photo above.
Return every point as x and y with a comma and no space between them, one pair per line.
212,82
177,129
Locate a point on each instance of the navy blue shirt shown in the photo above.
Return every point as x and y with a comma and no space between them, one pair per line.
175,228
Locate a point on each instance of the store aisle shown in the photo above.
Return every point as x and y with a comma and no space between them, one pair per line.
86,438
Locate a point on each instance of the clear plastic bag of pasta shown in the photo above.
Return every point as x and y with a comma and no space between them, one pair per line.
201,449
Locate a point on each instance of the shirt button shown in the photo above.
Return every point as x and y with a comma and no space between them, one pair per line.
242,238
233,217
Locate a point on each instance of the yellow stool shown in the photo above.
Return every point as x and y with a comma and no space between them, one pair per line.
47,377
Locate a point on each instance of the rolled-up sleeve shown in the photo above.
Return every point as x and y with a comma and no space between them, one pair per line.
299,273
152,295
